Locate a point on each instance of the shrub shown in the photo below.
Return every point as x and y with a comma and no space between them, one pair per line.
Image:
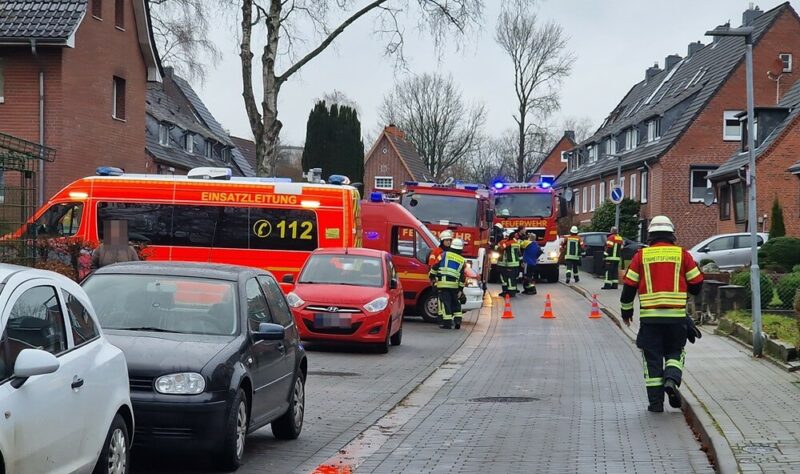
603,218
782,251
787,287
777,229
796,269
743,279
705,262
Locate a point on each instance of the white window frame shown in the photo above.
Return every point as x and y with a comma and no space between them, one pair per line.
644,189
602,192
209,151
189,142
622,185
389,179
2,82
163,134
632,194
786,58
592,153
611,146
652,133
631,138
692,170
577,199
563,157
585,197
731,115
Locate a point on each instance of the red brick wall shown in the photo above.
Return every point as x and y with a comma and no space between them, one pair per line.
384,164
553,164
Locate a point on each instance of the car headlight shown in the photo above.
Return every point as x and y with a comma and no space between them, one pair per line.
294,300
553,254
472,282
187,383
376,305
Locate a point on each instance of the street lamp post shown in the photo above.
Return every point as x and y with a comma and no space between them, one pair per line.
755,274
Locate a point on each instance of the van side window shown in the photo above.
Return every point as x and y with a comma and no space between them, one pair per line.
60,220
150,223
404,242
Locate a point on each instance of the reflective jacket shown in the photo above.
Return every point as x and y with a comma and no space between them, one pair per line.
613,249
571,247
450,271
510,253
661,274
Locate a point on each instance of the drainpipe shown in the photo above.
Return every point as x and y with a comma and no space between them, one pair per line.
40,173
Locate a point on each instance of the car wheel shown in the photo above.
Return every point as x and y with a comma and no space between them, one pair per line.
397,337
230,457
289,425
429,307
115,455
552,275
383,347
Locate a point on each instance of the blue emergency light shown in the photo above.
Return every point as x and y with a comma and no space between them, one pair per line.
410,183
471,187
371,235
498,185
376,196
109,171
548,181
338,179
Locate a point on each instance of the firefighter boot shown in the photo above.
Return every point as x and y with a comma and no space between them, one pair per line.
614,286
457,322
674,396
447,324
656,407
577,278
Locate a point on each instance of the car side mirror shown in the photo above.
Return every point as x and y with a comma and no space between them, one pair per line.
703,250
288,278
393,284
269,332
32,362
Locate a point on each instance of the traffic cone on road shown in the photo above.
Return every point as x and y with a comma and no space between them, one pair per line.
595,314
507,314
548,309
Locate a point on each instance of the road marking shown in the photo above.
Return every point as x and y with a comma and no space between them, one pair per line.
369,441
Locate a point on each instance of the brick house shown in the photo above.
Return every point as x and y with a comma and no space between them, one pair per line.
555,162
392,161
678,124
777,140
92,60
181,134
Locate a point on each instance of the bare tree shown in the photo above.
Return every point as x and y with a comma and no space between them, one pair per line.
180,28
340,98
430,109
582,126
283,20
541,61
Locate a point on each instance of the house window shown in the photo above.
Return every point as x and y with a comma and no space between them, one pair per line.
622,185
724,202
384,182
209,152
188,143
2,83
593,198
592,153
602,192
118,111
787,61
585,206
633,187
699,183
119,14
97,9
654,129
576,204
631,138
564,157
731,126
739,203
611,146
163,134
644,187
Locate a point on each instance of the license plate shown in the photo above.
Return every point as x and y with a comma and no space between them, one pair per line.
323,320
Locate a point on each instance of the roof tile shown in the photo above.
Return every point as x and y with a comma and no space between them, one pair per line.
51,20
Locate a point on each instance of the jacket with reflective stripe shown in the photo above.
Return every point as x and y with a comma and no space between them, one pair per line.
450,271
613,247
661,274
572,246
510,253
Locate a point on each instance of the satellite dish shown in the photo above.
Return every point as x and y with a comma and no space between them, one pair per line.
709,198
776,68
568,194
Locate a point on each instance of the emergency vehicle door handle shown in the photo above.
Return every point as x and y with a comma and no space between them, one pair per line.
281,347
77,382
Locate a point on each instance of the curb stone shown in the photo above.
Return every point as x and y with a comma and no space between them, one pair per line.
694,411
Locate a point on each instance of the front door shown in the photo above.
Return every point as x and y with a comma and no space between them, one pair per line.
281,314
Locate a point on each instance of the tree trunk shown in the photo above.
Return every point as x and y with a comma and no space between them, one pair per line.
521,146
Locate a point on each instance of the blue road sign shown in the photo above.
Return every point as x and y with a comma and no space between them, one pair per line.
617,194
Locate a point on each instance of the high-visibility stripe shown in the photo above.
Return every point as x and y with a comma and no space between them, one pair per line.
662,313
693,273
653,381
626,306
648,300
675,363
632,276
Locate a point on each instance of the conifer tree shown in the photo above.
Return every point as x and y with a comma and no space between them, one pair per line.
778,228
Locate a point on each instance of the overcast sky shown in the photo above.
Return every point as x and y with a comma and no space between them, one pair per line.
614,42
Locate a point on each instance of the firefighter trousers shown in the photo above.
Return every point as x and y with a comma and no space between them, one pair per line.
663,356
529,283
449,306
572,268
612,272
508,279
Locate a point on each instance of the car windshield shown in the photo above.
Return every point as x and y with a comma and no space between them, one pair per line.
164,303
438,209
524,205
351,270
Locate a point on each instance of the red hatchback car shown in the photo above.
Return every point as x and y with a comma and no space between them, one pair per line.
349,295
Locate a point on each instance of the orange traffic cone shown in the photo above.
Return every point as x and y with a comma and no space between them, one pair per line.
595,314
548,309
507,314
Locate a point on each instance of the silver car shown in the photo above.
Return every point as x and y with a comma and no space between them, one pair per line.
728,251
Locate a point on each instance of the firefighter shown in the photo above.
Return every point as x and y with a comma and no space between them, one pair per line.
509,263
612,256
451,277
663,274
572,247
445,240
530,254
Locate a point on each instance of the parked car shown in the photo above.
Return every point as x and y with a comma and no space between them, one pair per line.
63,386
349,295
213,353
728,251
597,241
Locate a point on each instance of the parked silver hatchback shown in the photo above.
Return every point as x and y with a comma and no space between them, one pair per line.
728,251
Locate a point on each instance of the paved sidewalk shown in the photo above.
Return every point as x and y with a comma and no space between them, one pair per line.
754,405
543,395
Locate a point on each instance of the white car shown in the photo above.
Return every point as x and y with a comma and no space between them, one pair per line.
728,251
64,392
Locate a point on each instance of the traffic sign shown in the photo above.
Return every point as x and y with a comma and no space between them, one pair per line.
617,194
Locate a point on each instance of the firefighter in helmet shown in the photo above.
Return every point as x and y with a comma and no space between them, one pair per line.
531,251
510,263
572,247
450,281
445,240
612,255
663,274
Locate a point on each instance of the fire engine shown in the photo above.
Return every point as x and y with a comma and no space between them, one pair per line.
465,209
531,206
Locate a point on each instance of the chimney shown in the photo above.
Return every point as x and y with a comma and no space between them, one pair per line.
570,134
168,70
750,15
651,71
392,130
693,48
724,26
671,60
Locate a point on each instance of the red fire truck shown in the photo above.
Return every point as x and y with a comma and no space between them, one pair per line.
464,209
533,207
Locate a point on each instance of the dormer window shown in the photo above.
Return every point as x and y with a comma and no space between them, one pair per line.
189,142
163,134
611,146
592,153
731,125
209,152
654,129
631,138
